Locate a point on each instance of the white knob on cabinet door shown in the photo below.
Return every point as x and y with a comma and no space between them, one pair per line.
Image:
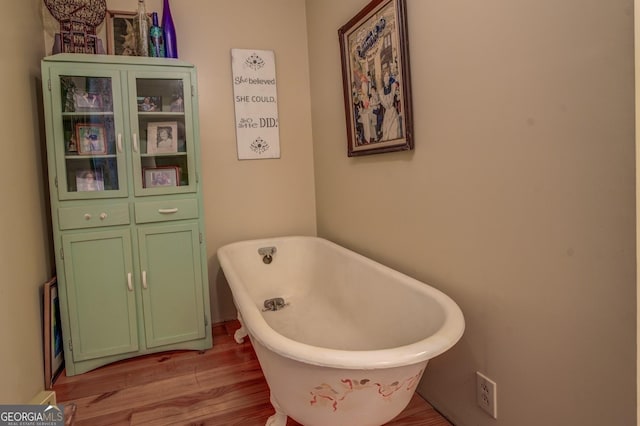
103,216
87,216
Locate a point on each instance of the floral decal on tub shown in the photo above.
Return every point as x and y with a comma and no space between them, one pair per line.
327,395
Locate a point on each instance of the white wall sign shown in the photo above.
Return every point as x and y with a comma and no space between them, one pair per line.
256,103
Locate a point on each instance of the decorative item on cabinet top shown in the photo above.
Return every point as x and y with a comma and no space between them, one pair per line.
78,21
170,40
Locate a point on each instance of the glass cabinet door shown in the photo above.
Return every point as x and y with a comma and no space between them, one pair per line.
163,141
88,140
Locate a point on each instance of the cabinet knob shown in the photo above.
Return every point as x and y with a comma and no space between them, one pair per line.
87,216
103,216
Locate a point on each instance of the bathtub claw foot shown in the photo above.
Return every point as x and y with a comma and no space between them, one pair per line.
240,333
279,418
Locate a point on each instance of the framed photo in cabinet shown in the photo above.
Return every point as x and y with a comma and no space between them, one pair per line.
162,137
155,177
87,101
149,103
53,353
89,180
91,139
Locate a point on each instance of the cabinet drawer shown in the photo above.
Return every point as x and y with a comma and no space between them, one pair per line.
93,216
159,211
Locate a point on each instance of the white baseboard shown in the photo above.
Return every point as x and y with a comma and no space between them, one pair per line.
47,397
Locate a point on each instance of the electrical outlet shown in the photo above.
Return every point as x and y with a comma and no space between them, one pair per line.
486,395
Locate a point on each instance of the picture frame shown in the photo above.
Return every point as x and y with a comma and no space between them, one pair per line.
90,138
149,103
158,177
90,180
53,344
87,101
376,79
162,137
122,30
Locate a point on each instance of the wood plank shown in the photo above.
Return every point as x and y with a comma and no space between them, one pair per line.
223,386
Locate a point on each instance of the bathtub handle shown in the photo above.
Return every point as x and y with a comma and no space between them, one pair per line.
267,254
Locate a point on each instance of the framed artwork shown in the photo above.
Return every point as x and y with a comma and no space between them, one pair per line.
87,101
149,103
89,180
162,137
53,353
122,30
90,139
155,177
376,79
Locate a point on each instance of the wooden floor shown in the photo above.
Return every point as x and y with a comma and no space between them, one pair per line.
222,386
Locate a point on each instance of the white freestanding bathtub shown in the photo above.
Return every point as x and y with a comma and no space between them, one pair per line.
341,339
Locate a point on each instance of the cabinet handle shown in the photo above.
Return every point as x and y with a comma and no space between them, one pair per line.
103,216
87,216
168,211
120,143
135,142
144,280
129,283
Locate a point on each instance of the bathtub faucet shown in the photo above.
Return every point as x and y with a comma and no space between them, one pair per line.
267,254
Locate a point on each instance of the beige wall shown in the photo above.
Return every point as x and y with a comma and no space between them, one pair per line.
256,198
518,200
245,199
24,260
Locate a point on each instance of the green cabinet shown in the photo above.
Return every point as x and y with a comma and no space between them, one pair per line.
126,204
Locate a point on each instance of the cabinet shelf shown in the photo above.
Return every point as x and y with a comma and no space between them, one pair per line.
170,154
160,114
81,113
88,157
